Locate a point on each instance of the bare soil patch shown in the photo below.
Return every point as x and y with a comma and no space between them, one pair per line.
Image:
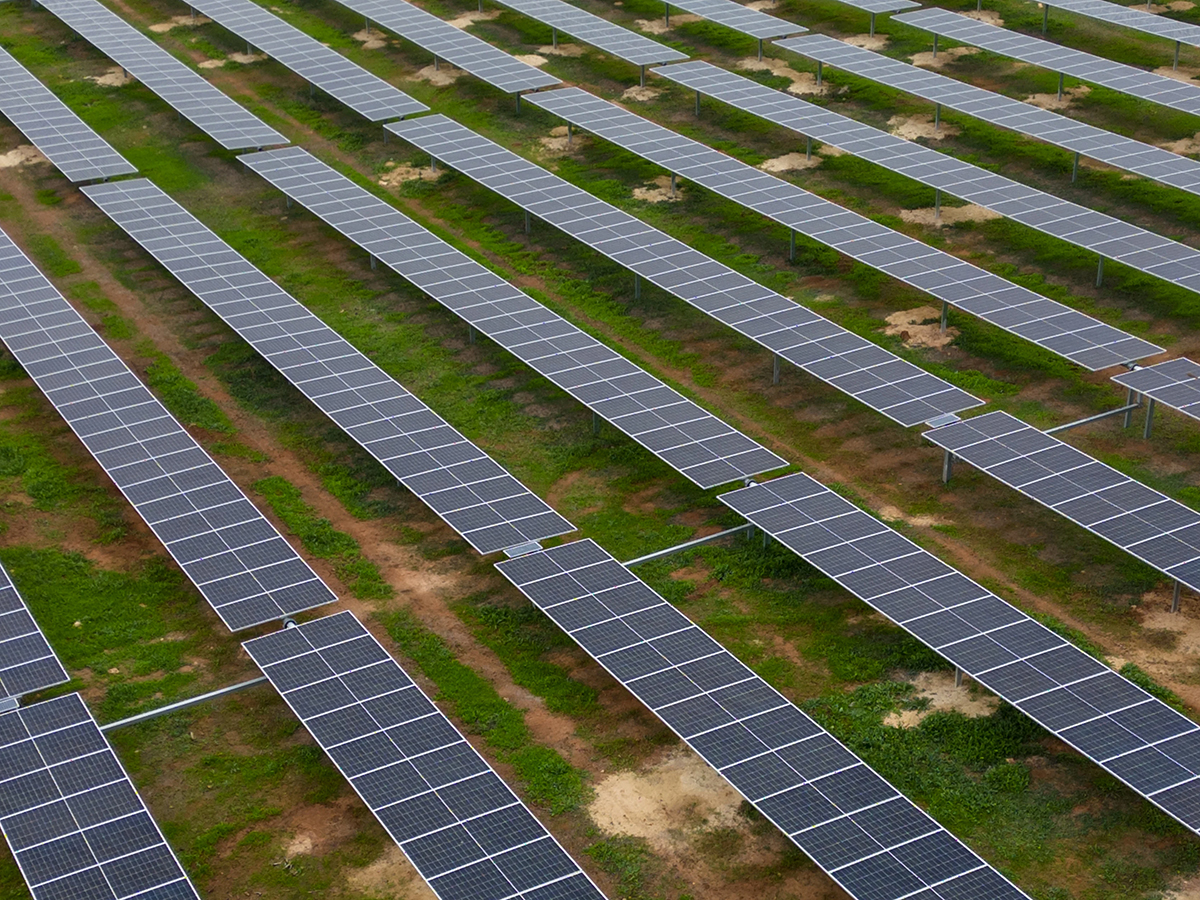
562,50
984,15
23,155
470,18
1184,146
398,173
1186,74
640,93
1174,6
113,77
949,215
867,41
440,75
659,191
532,59
920,327
939,689
913,127
1053,101
559,143
894,514
790,162
179,21
391,875
802,83
929,61
660,26
370,40
241,59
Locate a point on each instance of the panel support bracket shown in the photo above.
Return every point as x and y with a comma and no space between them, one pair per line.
688,545
947,466
945,315
1126,411
1149,418
182,704
775,374
1175,598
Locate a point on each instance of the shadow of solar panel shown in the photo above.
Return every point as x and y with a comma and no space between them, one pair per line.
1146,160
466,833
1134,736
870,374
230,125
27,663
600,33
1056,327
60,135
1174,383
241,565
457,480
852,823
740,18
366,94
1129,17
454,45
694,442
70,814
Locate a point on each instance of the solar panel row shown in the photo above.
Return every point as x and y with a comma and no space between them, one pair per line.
600,33
1136,737
1125,153
61,136
1175,383
457,480
463,829
71,816
1049,324
741,18
366,94
1116,76
240,563
230,125
686,437
1129,17
867,836
27,663
850,363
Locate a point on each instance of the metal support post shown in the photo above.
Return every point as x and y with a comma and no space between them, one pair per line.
808,148
1100,272
367,25
595,422
978,5
312,92
637,287
672,185
760,40
697,104
518,101
872,24
1149,418
935,42
1075,168
182,704
1175,599
191,9
937,116
643,76
937,205
432,163
554,38
820,67
947,466
792,247
1130,402
945,315
958,674
775,372
1175,64
435,64
289,202
766,540
570,134
667,14
1045,17
481,5
471,335
247,48
372,263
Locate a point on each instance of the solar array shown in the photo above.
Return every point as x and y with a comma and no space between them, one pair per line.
60,135
462,828
71,816
1102,234
27,663
868,837
850,363
1084,66
741,18
452,44
694,442
1160,531
600,33
230,125
242,566
366,94
1136,737
1050,324
1125,153
1130,17
1174,383
874,7
453,477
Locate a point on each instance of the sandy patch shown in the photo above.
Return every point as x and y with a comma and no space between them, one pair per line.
802,83
1052,101
790,162
913,127
531,59
178,21
951,215
1185,147
299,845
762,5
1175,6
867,41
939,689
893,514
1186,74
470,18
23,155
562,50
398,174
929,61
556,142
660,26
440,76
392,875
659,191
920,327
370,40
241,59
114,77
984,15
641,94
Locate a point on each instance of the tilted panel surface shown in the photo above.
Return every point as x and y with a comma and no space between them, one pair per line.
1132,17
694,442
1058,328
27,663
464,830
880,6
867,836
1174,383
1076,63
242,566
454,45
457,480
740,18
850,363
60,135
1136,737
1125,153
71,816
1160,531
600,33
366,94
229,124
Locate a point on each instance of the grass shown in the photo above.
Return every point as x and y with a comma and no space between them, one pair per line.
181,396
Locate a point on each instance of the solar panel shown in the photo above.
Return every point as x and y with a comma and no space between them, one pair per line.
61,136
860,830
1174,383
1116,76
27,663
458,481
230,125
1129,17
462,828
1161,532
852,364
1151,162
446,42
694,442
242,566
740,18
1049,324
880,6
1137,738
71,816
366,94
600,33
